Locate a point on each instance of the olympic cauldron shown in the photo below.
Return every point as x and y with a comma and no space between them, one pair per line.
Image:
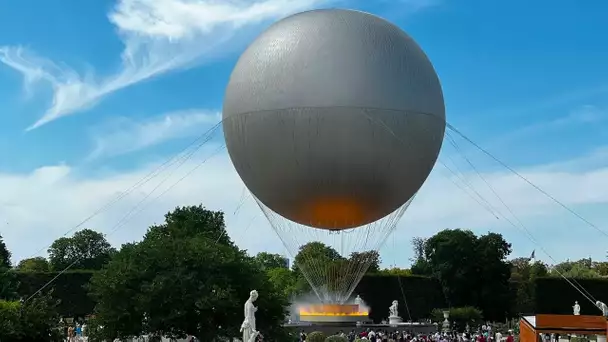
332,313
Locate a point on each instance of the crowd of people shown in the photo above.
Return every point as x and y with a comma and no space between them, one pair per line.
482,335
75,333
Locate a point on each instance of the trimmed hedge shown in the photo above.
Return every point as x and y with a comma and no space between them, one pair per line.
556,296
551,295
69,288
378,290
423,294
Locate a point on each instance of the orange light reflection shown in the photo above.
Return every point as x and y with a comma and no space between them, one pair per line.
332,310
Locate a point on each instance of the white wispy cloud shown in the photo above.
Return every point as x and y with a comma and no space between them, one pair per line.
587,114
124,135
159,36
578,117
417,5
41,206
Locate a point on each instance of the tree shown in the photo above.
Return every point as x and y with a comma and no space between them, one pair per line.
5,255
471,269
37,264
35,320
270,261
601,267
87,249
492,251
324,260
523,269
583,268
420,265
316,252
396,271
284,280
419,244
184,222
185,277
8,284
451,258
371,257
523,277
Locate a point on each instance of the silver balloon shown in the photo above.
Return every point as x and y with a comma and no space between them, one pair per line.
333,118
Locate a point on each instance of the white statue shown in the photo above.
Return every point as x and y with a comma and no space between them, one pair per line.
359,301
394,309
602,307
576,308
253,336
393,312
248,326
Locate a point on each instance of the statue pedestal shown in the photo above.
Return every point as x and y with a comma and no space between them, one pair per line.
397,320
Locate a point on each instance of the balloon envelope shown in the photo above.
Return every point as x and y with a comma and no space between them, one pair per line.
333,118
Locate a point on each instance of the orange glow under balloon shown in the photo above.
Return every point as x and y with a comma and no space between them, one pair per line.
336,213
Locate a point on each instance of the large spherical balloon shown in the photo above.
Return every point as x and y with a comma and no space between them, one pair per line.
333,118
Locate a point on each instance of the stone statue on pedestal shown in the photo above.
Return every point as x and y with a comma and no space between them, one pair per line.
576,308
602,307
393,312
248,327
394,309
358,301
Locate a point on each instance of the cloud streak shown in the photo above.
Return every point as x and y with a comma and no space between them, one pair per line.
159,36
579,117
123,135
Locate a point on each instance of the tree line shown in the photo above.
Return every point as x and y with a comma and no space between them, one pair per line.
186,276
188,269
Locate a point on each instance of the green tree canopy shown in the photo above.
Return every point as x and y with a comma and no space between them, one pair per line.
185,277
324,261
35,320
86,249
522,269
420,265
601,267
315,252
285,281
5,255
184,222
371,257
473,270
583,268
523,275
269,261
318,260
493,273
396,271
37,264
8,284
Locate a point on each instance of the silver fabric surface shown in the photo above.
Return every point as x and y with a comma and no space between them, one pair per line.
328,105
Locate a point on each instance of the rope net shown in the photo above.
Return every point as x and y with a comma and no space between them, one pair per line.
333,273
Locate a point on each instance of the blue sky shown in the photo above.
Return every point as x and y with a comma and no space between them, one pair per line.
95,93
